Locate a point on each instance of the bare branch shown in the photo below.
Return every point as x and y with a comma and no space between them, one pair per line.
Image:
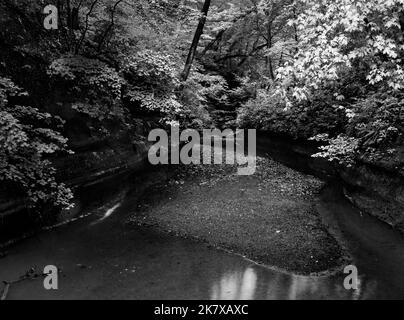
110,26
83,35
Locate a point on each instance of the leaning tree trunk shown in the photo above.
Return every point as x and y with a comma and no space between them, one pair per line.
195,41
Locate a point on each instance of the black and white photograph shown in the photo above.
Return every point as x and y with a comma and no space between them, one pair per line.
201,155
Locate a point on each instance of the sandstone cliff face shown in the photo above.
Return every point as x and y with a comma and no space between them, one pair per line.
378,192
101,158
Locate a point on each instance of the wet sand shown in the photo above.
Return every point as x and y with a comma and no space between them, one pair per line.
270,217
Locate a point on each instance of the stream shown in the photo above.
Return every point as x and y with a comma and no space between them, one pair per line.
100,256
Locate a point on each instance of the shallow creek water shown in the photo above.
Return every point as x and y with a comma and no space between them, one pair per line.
100,256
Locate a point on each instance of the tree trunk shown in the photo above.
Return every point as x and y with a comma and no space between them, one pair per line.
295,31
213,42
195,41
70,33
269,46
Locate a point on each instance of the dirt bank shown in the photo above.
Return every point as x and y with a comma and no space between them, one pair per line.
269,217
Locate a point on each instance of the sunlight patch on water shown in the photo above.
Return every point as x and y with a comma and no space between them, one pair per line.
235,286
108,213
111,211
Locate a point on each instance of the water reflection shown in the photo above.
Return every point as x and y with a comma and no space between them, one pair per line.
110,211
256,282
235,286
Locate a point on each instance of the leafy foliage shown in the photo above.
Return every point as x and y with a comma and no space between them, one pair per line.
340,81
151,68
94,88
269,111
342,149
26,139
378,120
335,35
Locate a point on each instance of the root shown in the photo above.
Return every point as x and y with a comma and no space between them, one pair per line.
5,291
29,275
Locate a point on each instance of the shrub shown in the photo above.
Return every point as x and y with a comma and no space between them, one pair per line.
304,119
374,129
150,68
342,149
27,137
94,87
153,86
378,120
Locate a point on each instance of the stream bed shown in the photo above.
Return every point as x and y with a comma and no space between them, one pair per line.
101,256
